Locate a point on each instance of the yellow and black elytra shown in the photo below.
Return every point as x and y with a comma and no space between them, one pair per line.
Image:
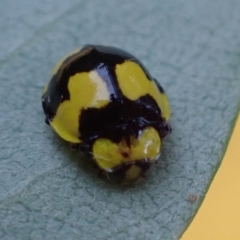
104,101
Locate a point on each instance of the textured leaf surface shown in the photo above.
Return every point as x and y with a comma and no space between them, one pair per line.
50,192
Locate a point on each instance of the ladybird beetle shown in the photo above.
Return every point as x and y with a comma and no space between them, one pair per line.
103,101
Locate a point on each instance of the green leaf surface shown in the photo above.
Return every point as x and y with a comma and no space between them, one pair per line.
49,192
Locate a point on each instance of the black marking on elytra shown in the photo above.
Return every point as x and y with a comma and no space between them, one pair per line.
51,99
90,57
107,73
120,119
160,88
116,55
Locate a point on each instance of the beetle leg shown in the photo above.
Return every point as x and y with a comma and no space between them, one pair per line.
74,146
84,147
47,121
164,129
100,173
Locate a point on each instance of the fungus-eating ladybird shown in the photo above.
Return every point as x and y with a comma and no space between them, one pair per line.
104,101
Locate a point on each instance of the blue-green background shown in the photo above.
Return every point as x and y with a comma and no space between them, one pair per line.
49,192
